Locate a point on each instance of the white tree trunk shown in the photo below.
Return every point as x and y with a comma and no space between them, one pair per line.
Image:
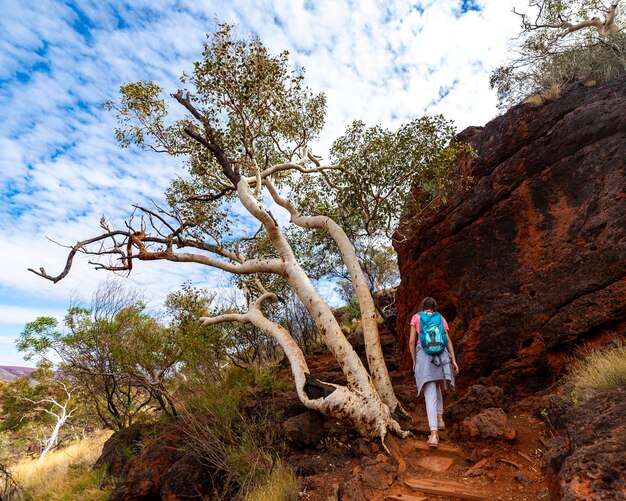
61,417
55,433
359,403
369,321
366,413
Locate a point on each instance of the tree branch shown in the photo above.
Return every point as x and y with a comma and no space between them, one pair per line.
70,258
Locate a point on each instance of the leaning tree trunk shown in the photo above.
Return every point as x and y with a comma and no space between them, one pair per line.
359,403
365,412
373,349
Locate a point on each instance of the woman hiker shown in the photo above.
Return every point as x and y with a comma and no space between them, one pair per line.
434,362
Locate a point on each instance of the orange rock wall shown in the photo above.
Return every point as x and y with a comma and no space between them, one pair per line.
531,261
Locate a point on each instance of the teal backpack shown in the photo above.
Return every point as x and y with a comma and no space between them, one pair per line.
433,339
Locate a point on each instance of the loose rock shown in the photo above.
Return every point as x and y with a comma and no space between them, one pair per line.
490,423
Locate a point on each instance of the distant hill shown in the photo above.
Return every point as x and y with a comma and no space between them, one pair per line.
10,372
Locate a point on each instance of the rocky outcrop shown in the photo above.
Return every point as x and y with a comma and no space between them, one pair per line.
530,261
121,448
163,470
589,457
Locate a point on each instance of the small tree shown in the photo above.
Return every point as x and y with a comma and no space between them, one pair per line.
245,138
60,407
118,356
44,406
563,42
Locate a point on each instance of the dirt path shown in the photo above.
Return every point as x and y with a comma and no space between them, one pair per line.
495,471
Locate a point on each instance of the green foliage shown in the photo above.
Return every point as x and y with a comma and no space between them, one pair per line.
349,312
252,98
546,55
203,349
380,265
597,370
38,337
113,352
267,380
379,171
13,404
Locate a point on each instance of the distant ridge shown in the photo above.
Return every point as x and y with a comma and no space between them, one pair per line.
11,372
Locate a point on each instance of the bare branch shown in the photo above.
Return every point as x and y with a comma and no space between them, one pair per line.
70,258
290,166
603,28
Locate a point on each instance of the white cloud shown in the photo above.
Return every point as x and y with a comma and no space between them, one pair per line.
60,168
11,314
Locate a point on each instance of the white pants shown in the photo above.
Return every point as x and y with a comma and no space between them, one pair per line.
434,402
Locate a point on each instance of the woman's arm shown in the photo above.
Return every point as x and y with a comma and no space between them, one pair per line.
412,344
451,350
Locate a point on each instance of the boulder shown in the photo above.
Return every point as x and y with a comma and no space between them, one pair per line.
529,261
187,478
166,468
304,430
490,423
478,398
121,448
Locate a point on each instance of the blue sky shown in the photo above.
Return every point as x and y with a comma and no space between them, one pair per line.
60,167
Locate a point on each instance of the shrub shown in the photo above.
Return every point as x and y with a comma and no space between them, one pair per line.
240,446
560,43
267,380
596,370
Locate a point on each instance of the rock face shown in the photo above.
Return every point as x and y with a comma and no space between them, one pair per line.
590,457
531,260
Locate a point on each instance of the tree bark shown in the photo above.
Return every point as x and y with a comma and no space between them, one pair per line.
359,403
365,412
373,349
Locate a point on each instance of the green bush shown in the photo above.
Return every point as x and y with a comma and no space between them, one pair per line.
267,380
241,446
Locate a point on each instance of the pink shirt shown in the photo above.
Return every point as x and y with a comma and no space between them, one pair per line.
415,322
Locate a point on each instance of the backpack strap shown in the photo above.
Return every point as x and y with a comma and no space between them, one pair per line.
429,319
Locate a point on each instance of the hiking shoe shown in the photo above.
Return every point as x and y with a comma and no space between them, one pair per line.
440,424
433,441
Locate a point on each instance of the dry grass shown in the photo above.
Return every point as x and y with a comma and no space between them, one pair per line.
596,371
552,93
544,96
64,474
534,100
280,485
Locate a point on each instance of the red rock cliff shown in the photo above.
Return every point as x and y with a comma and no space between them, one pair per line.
532,260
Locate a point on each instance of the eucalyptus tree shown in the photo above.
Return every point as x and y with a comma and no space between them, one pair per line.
563,41
244,134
